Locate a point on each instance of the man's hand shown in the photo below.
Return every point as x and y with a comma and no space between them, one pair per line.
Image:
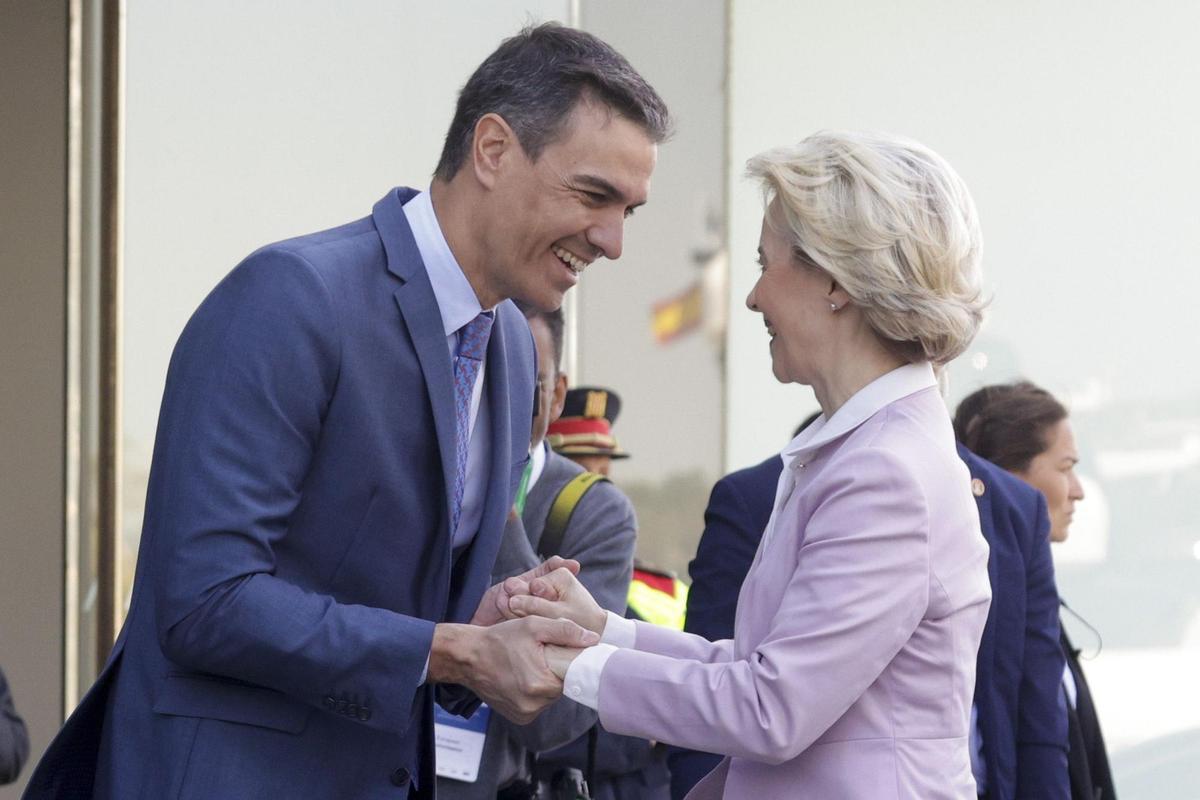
559,594
495,604
505,664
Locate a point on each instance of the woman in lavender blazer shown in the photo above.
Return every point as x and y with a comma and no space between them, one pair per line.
851,670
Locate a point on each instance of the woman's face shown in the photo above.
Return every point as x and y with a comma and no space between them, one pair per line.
793,299
1053,473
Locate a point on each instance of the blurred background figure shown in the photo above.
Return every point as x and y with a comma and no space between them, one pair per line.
584,431
1025,430
14,740
624,767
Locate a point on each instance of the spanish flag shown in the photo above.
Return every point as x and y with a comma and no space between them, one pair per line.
676,316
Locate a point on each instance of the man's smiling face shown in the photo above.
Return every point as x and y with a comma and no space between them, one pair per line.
568,208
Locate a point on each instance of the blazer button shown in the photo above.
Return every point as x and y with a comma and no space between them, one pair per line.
352,710
330,703
364,713
399,776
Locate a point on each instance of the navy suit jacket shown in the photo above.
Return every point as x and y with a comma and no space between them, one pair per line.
14,739
295,552
1018,677
738,510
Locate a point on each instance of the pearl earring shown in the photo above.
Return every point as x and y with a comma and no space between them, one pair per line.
833,307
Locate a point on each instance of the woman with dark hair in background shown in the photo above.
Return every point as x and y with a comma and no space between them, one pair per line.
1023,429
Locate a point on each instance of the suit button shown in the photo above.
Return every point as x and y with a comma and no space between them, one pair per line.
330,703
352,710
399,776
364,713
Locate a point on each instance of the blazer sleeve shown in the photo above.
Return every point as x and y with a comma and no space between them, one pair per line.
248,387
1042,712
860,588
14,739
601,537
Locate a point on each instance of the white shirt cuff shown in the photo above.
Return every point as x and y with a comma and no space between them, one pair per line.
618,631
582,683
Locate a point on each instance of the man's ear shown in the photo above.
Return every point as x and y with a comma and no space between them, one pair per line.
560,396
492,141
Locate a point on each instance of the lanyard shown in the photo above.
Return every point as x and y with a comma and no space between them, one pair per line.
523,488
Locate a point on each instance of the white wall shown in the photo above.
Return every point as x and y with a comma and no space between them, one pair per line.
246,125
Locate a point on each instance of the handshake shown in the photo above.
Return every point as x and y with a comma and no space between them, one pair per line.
524,635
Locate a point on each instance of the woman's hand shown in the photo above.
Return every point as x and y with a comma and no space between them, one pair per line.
560,594
495,605
559,659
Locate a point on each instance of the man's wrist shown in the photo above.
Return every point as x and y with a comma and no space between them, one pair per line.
451,653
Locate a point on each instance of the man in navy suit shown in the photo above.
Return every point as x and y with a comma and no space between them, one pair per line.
1020,730
343,427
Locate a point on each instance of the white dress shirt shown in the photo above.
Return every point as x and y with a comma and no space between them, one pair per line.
537,464
458,305
582,682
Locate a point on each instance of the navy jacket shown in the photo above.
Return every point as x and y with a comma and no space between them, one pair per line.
737,514
295,552
14,739
1018,679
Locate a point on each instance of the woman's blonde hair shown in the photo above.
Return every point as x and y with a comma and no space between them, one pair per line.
893,224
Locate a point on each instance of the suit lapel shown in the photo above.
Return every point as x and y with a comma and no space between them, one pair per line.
421,316
987,645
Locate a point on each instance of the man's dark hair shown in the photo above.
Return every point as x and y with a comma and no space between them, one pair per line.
534,79
554,321
1008,423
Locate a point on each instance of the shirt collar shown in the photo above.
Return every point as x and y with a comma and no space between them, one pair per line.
455,298
537,463
862,405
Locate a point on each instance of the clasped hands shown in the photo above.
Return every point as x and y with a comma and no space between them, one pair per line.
524,635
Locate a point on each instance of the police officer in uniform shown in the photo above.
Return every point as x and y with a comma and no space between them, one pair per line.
624,767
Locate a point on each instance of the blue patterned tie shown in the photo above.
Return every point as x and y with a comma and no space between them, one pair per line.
472,344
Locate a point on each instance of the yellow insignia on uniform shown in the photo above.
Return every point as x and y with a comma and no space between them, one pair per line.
596,404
